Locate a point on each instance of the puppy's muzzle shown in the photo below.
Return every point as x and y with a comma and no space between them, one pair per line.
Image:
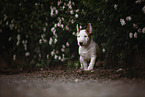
81,43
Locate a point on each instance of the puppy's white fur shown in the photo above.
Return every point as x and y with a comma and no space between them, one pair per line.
88,49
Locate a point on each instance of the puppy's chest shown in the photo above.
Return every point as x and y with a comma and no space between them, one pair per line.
86,53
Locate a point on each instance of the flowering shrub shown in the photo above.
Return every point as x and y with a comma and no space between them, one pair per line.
38,32
119,27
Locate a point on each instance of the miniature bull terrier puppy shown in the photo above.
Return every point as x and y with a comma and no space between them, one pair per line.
88,50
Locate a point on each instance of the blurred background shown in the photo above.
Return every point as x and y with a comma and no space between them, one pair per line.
42,33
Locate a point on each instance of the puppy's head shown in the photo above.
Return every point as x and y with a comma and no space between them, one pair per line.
83,36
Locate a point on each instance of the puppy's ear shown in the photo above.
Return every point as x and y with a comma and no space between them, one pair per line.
89,28
78,29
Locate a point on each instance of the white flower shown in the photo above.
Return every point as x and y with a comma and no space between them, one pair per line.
50,41
63,46
39,55
27,54
10,38
63,55
47,56
25,47
73,3
77,10
55,57
23,41
115,6
67,44
59,58
44,29
119,70
52,29
62,49
128,18
51,11
5,17
62,19
122,21
66,27
25,44
44,40
73,33
62,59
40,41
59,24
35,4
55,41
103,50
18,38
76,16
143,9
46,24
63,7
42,35
62,25
139,30
11,26
7,23
14,57
55,25
70,7
56,11
59,2
52,53
57,52
71,12
143,30
134,25
135,35
138,1
130,35
72,21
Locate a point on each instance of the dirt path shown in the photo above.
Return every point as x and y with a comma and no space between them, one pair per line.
60,83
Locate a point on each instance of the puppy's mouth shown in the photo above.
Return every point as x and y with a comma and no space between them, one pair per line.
81,43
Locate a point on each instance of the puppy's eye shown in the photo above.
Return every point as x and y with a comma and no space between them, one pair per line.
85,36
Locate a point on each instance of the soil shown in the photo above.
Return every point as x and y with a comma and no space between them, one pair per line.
71,83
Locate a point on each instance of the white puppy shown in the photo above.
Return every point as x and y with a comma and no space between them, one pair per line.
88,49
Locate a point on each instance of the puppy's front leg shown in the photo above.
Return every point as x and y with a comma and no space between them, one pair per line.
92,62
83,63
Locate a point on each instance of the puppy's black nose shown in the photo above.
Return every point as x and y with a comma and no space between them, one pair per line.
81,43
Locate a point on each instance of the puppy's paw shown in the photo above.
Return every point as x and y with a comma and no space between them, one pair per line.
90,68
